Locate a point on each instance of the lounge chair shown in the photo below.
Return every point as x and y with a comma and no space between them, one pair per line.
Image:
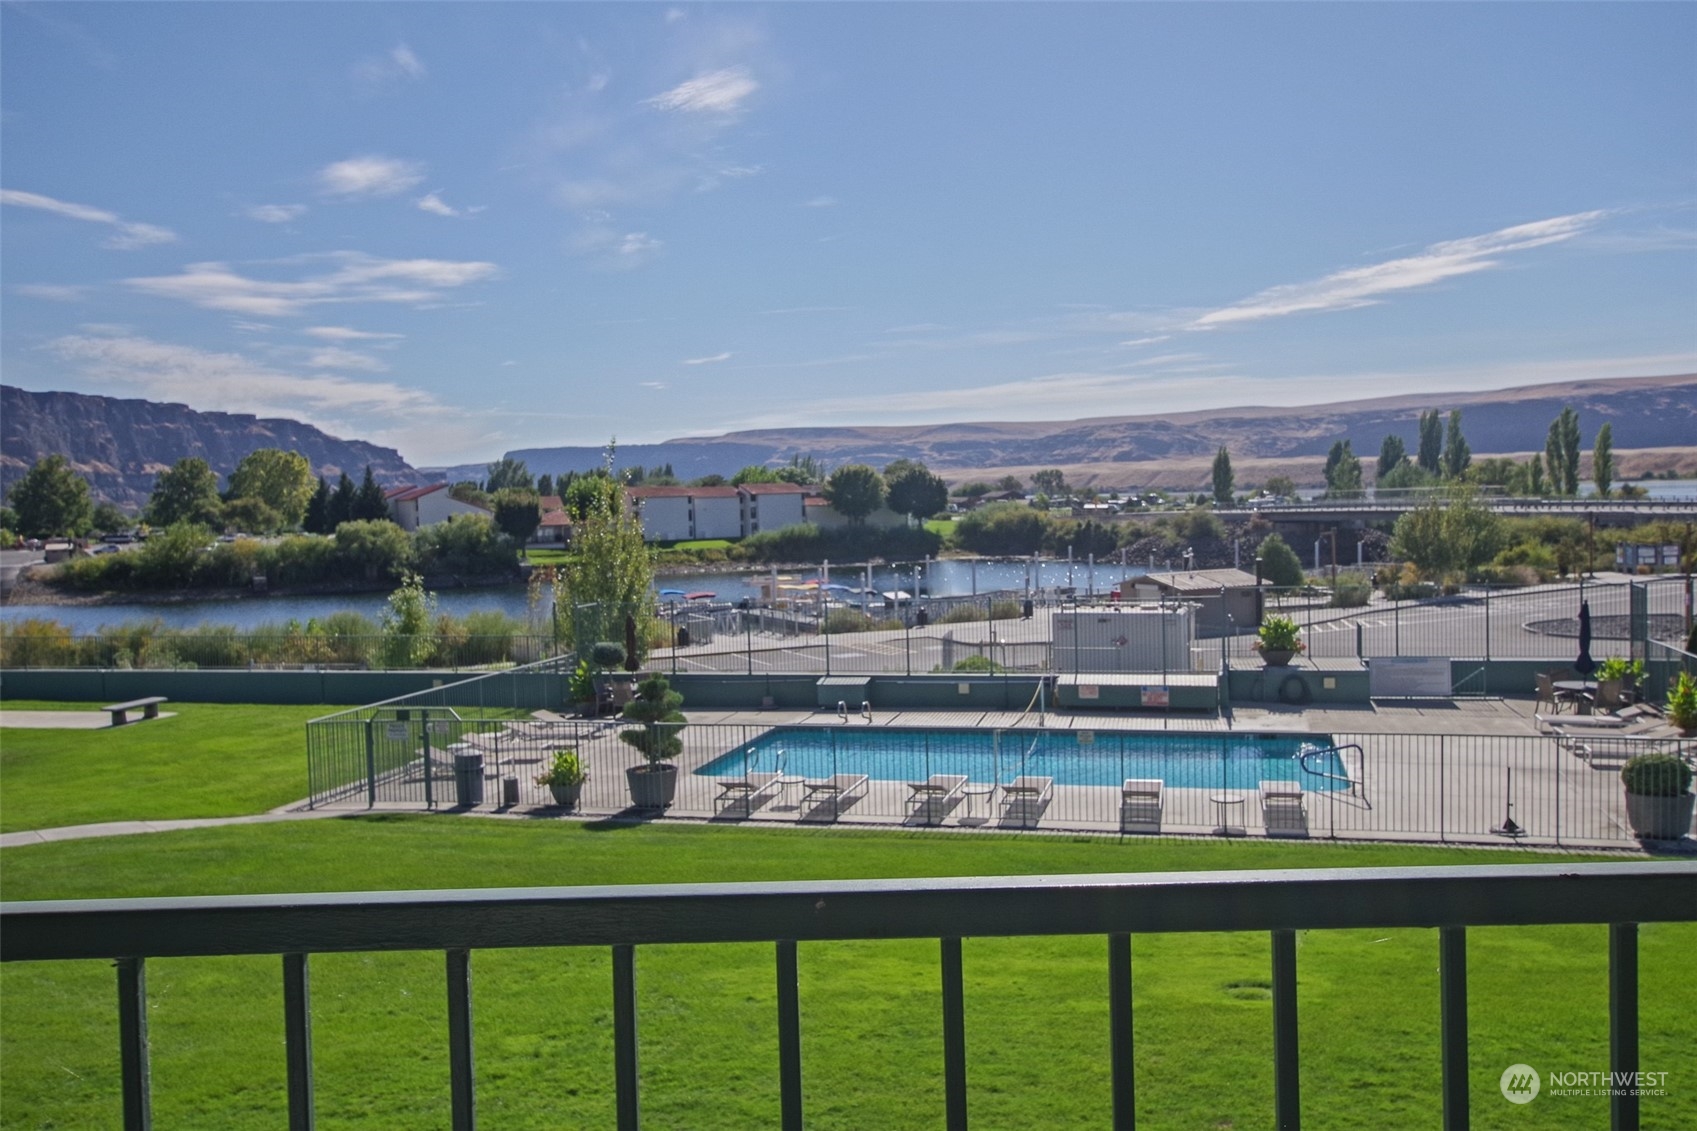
834,789
1027,796
932,798
747,790
1141,804
1284,808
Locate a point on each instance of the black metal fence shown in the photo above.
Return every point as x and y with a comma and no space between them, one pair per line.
789,914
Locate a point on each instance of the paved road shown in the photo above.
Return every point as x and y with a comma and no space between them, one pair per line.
11,561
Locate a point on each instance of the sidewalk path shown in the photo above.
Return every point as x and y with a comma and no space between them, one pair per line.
129,828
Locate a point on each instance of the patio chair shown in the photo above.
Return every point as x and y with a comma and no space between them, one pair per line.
932,798
1557,699
746,790
834,789
1141,804
1027,796
1284,808
1610,696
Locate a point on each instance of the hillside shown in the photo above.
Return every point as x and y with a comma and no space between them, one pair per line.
121,445
1656,414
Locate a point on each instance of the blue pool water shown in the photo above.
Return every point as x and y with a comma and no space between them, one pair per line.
1071,757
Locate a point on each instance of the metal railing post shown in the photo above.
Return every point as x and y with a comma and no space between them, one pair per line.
624,1037
137,1079
461,1065
1119,1028
1287,1076
297,1039
1452,1021
371,763
789,1038
1623,1026
954,1037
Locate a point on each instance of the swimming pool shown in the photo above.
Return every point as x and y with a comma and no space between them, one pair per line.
1071,757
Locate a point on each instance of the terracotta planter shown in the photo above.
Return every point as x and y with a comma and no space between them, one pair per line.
1660,818
566,796
652,787
1277,658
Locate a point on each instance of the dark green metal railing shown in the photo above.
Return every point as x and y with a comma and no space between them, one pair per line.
624,918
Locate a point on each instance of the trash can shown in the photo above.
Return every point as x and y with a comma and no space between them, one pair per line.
468,778
683,636
922,617
1030,607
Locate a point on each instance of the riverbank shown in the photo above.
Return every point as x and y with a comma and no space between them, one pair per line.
31,590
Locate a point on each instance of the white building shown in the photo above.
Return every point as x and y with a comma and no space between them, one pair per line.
771,506
413,507
677,514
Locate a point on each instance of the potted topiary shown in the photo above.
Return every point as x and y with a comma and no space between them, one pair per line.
1658,796
612,686
1682,704
564,778
1277,641
653,784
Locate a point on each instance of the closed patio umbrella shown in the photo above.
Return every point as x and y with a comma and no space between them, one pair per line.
1584,665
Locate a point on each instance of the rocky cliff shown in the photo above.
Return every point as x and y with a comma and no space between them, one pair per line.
121,445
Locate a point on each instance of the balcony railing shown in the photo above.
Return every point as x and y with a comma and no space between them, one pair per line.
624,918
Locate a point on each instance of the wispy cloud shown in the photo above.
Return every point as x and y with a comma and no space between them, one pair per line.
52,292
1149,341
611,248
398,64
716,92
808,310
346,334
434,204
718,357
653,384
127,235
1362,286
357,278
334,357
820,202
275,213
369,176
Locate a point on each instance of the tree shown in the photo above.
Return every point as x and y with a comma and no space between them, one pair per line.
854,491
1561,453
1391,454
1603,460
1009,483
1430,456
281,480
1281,485
1535,476
1051,481
1406,475
589,492
369,503
544,484
755,473
977,489
518,514
1279,564
915,491
187,492
713,479
1343,471
52,500
249,513
1457,455
1223,477
317,520
407,638
508,473
608,574
1002,528
1448,536
107,516
341,506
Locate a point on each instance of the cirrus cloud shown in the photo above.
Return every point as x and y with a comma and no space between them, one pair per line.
370,175
127,235
716,92
357,278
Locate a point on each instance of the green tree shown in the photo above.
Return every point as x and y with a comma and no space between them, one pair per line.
369,503
1430,455
508,474
1603,460
376,549
1050,481
1010,483
186,492
755,473
1406,475
518,514
914,490
1279,564
406,624
1002,528
1535,476
977,489
1223,477
341,506
854,491
544,484
1281,485
588,493
1457,455
1343,471
712,479
51,500
108,517
249,513
170,558
1561,453
1391,455
281,480
608,573
1448,536
317,520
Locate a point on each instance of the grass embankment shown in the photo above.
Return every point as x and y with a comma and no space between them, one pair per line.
1037,1035
211,760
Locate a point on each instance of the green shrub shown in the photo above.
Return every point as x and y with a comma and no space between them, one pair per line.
1351,591
607,655
846,620
978,665
656,708
1002,528
964,614
36,643
1279,564
1656,775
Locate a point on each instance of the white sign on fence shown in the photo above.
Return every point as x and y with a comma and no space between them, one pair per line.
1409,677
395,732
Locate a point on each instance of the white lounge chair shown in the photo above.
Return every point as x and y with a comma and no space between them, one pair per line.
747,790
1284,808
932,798
1027,796
834,789
1141,801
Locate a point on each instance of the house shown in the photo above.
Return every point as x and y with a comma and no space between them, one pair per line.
677,514
1226,598
772,506
555,528
413,507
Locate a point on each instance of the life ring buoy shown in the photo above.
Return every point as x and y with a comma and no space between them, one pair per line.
1295,690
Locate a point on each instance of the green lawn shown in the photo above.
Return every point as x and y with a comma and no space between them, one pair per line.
211,760
1036,1015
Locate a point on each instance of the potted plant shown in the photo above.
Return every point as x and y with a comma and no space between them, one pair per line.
1658,796
564,778
1682,704
1624,673
1277,641
611,685
580,686
654,783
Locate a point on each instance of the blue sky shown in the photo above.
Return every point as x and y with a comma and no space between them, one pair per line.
463,228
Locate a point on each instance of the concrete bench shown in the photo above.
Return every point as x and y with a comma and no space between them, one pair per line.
149,708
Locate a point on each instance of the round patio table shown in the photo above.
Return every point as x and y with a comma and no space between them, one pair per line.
1224,803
